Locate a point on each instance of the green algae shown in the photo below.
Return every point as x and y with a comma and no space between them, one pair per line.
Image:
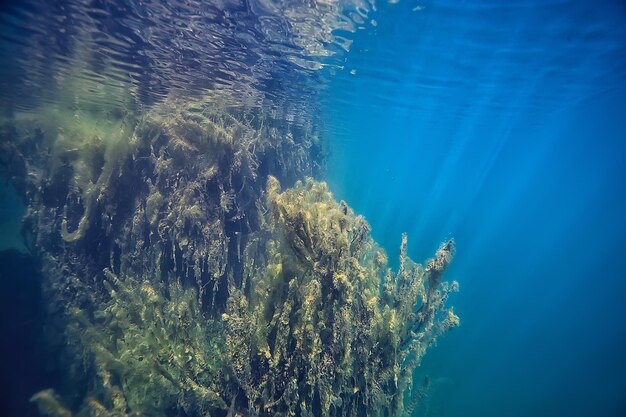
181,280
318,319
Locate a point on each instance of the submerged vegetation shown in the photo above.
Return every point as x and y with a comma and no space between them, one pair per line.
181,280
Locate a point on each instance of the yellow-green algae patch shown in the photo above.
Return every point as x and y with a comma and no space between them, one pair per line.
319,320
182,281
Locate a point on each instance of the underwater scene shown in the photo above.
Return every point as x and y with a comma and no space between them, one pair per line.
307,208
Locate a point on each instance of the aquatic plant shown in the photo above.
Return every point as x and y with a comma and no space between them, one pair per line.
316,334
181,280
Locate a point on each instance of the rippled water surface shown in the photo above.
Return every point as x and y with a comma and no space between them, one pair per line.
252,53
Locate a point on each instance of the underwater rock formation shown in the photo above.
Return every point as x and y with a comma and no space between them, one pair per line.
180,280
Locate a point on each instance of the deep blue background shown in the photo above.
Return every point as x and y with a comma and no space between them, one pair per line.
503,125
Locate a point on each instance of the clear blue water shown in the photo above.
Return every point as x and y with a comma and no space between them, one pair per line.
501,124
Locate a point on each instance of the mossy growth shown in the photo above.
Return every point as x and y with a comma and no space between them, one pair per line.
181,280
149,351
324,328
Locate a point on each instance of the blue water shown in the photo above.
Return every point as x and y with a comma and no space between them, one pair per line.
502,124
